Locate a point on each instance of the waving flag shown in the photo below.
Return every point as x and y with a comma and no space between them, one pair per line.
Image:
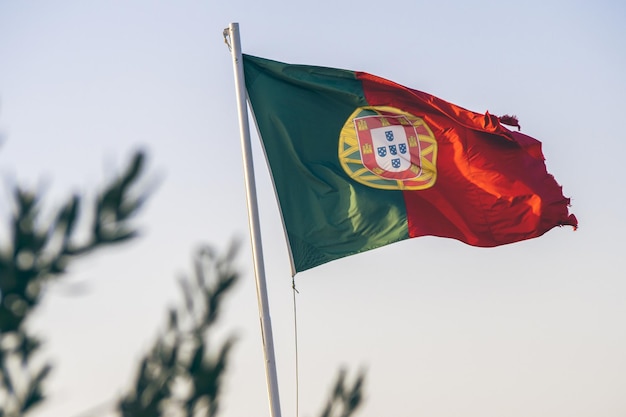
359,162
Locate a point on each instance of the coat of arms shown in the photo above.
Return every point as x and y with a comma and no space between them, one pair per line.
388,148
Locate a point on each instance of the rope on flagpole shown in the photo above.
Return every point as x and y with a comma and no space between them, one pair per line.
295,332
226,35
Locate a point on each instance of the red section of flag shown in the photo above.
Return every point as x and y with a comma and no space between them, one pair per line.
492,184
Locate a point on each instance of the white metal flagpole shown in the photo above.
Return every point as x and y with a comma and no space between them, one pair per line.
253,219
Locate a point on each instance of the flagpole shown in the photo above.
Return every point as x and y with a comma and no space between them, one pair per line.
253,221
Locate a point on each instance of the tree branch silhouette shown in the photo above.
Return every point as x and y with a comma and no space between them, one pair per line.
39,252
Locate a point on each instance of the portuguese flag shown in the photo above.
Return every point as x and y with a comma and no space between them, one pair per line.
359,162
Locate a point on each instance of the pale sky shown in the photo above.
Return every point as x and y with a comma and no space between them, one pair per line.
536,328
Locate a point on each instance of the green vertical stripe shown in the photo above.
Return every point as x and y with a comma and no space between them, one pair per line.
300,111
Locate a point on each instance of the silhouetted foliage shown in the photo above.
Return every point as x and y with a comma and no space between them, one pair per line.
38,252
183,372
344,400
